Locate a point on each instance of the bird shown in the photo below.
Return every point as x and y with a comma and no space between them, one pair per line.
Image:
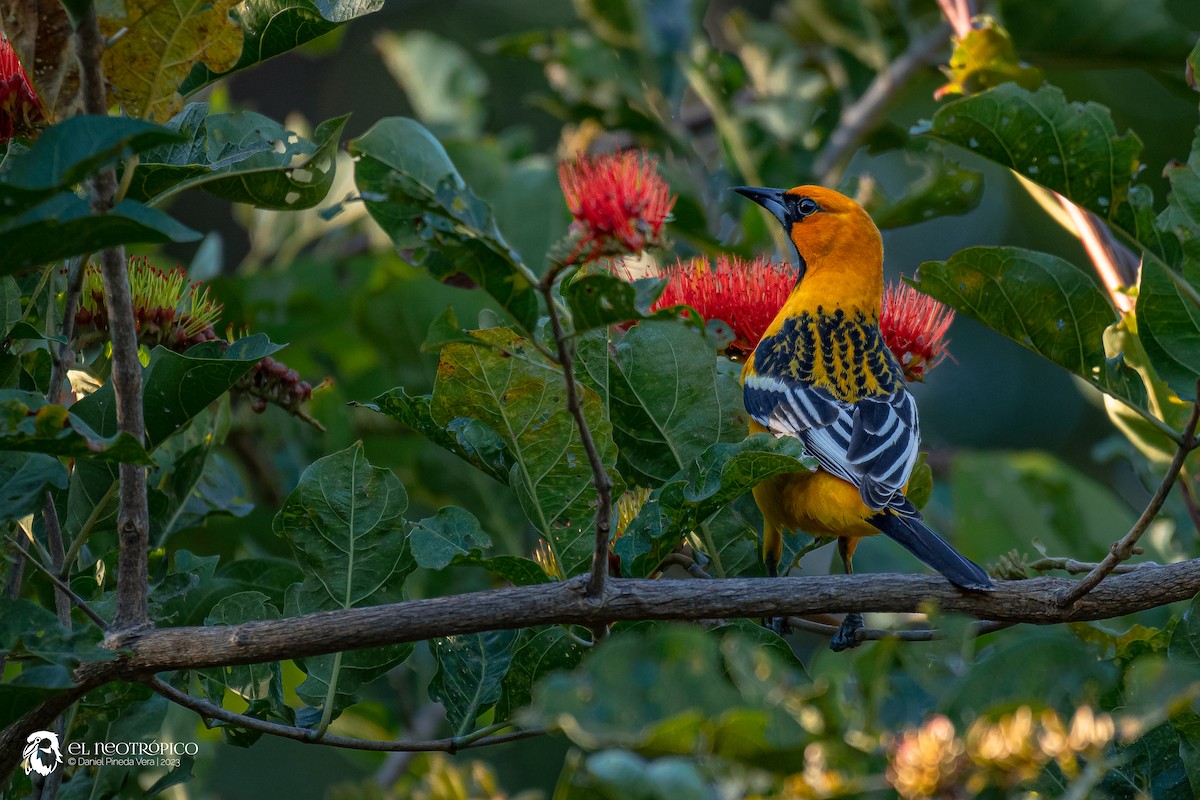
822,373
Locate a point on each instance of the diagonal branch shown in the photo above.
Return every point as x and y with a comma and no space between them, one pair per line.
1123,549
132,512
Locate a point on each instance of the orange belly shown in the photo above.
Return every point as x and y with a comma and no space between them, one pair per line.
817,503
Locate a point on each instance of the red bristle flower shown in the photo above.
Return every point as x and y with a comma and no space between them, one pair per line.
745,295
619,202
21,111
914,328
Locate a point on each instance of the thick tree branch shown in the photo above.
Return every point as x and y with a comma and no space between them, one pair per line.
132,514
1125,548
1036,601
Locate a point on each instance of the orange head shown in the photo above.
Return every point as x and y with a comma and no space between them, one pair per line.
836,242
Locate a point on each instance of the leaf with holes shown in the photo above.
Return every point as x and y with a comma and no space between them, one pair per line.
242,157
29,424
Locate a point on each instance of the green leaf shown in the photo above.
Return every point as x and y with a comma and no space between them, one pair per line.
1169,324
1070,148
470,440
178,386
24,479
344,524
413,191
470,669
1185,639
260,685
708,483
29,424
10,306
1043,303
670,398
1112,31
515,392
69,152
535,653
599,300
273,27
241,157
934,186
444,86
27,628
435,541
64,226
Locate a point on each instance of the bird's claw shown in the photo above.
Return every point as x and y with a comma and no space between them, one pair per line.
847,635
778,625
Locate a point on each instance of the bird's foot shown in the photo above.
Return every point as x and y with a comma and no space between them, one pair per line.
778,625
847,635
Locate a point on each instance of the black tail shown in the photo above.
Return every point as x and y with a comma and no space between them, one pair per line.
915,537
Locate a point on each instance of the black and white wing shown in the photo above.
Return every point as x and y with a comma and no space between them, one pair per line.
871,443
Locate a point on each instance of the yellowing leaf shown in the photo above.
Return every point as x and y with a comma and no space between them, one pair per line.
162,41
984,58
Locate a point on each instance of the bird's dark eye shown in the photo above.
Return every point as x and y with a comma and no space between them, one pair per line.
807,206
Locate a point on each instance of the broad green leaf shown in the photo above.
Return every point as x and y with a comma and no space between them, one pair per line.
1043,303
260,685
453,531
160,42
984,58
513,569
470,440
670,398
198,485
179,585
1169,324
469,671
64,226
29,424
271,576
67,153
413,191
242,157
717,477
344,524
934,186
515,392
27,628
1071,148
273,27
536,652
176,387
599,300
444,86
24,479
18,698
1185,640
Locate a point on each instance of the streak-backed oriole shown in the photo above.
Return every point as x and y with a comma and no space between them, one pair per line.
822,373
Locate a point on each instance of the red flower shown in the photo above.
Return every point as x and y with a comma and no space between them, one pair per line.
619,202
21,111
745,295
914,327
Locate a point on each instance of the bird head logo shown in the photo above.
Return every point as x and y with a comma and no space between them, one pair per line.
41,753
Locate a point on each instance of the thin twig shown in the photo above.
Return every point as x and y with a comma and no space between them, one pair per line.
1124,549
1189,499
65,589
54,543
979,628
449,745
600,477
862,116
63,355
1074,567
132,512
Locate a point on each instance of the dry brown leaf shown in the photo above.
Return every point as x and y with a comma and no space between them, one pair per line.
159,43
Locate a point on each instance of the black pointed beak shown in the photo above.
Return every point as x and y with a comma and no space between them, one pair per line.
770,199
